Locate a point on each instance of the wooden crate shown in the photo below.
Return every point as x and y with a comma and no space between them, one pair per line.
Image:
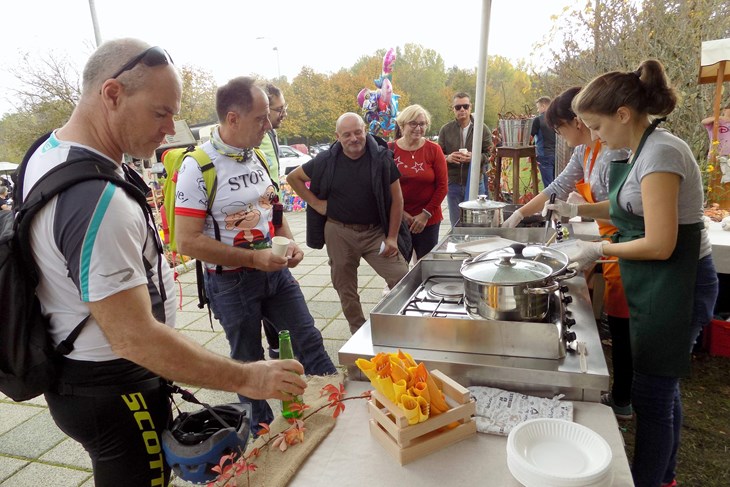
406,442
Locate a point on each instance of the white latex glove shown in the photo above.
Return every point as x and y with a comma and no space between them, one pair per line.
560,209
513,220
576,199
725,223
582,254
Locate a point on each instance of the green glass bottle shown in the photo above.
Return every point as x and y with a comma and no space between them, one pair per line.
287,352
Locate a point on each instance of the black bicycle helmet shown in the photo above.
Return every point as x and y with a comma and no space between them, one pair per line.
195,442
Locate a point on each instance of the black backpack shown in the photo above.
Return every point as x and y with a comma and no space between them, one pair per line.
27,356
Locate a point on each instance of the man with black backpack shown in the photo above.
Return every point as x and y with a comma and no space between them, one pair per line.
244,280
99,262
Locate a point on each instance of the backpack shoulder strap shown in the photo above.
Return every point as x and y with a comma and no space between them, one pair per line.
62,177
20,175
207,168
52,183
262,158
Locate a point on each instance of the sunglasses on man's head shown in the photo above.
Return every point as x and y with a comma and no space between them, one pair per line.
154,56
465,106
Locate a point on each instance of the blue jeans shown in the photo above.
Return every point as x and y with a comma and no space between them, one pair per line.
706,290
240,300
658,409
457,194
547,170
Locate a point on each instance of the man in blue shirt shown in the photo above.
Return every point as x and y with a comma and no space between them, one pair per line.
544,140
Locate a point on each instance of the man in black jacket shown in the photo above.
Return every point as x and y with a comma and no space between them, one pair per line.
355,206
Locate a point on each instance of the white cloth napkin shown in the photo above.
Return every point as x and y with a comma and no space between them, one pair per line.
499,411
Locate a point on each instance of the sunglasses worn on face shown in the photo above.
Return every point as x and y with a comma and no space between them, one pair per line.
154,56
462,107
417,124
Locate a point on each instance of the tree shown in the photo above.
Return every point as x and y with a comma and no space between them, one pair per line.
606,35
198,96
420,73
48,93
312,109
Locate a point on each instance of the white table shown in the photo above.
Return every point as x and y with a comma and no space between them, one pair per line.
351,456
719,238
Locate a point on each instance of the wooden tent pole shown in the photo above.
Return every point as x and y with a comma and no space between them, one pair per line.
716,112
715,184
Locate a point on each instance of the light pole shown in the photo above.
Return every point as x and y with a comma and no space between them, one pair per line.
278,65
275,48
95,22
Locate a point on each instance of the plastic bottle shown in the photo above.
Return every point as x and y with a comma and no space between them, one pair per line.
287,352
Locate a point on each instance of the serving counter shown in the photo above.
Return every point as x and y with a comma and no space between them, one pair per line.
719,238
351,456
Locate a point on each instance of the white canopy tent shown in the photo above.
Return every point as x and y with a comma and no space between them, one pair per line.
6,167
715,68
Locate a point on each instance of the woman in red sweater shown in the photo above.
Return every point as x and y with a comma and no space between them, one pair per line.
423,180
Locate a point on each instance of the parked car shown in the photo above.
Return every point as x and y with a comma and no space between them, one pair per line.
300,147
157,168
317,148
290,159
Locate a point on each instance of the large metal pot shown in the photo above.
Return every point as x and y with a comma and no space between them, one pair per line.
507,288
557,261
481,212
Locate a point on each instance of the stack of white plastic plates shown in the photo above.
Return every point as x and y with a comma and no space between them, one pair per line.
558,453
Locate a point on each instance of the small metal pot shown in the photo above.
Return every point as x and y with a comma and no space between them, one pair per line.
507,288
481,212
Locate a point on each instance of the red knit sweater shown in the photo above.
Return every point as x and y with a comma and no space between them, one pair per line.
423,180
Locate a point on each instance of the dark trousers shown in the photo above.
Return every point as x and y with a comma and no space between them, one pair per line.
658,409
425,241
623,369
117,411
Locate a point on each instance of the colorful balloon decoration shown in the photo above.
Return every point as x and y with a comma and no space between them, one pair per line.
380,107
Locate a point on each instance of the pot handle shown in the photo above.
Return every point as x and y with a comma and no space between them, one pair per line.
549,289
518,248
569,274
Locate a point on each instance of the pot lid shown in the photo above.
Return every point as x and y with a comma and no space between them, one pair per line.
505,270
482,203
554,258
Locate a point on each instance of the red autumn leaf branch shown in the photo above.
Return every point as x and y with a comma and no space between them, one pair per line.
235,464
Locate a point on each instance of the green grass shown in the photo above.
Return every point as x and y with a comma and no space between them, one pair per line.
525,179
704,451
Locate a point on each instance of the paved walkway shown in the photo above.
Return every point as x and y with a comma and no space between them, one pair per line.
33,451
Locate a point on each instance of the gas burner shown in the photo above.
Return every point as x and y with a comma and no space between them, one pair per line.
438,296
448,289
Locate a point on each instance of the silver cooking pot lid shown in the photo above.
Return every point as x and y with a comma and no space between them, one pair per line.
482,203
554,258
504,270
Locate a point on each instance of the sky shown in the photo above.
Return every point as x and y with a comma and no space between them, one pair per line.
229,38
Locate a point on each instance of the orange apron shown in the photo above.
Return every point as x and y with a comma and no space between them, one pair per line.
614,298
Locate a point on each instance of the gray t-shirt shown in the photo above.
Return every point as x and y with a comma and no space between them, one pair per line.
664,152
579,168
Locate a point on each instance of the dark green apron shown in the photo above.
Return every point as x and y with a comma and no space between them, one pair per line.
660,293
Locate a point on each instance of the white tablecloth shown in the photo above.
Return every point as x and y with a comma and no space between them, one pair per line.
351,456
719,238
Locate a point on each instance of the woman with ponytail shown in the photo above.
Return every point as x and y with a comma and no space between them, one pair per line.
655,201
